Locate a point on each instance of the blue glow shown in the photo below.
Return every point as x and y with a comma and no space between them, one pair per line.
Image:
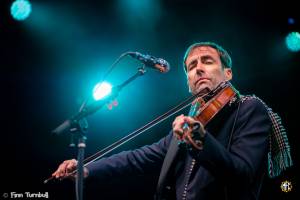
20,9
291,21
292,41
140,13
101,90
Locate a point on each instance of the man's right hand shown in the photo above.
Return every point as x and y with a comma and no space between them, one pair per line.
66,168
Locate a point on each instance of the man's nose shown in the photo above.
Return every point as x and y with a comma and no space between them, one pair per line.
200,68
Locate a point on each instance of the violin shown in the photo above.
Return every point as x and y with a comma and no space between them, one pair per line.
203,110
219,97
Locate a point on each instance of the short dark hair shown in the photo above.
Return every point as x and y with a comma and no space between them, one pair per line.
224,56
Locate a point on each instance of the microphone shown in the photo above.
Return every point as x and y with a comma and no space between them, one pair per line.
150,61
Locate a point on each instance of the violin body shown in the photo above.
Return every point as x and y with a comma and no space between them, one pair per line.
210,108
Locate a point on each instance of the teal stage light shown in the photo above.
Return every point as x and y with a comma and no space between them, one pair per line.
20,9
101,90
292,41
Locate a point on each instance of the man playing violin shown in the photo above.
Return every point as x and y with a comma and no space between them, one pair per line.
223,158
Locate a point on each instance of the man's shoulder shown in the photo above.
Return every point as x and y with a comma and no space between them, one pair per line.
252,99
253,102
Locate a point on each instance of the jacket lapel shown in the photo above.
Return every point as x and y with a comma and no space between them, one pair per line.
168,161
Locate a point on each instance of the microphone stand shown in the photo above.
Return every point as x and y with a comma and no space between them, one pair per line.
78,126
80,130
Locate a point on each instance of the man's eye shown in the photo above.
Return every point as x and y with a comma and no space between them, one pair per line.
190,67
209,62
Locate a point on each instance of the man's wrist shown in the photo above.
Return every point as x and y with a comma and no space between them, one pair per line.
198,136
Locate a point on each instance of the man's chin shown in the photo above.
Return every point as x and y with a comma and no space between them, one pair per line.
202,90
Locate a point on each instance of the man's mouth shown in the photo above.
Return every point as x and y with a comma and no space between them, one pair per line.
200,80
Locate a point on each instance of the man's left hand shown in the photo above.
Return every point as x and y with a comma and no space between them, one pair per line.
188,130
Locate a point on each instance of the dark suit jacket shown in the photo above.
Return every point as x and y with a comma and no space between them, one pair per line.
231,165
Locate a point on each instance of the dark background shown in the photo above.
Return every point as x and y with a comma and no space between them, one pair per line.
50,62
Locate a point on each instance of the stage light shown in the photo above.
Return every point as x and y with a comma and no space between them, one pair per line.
292,41
20,9
101,90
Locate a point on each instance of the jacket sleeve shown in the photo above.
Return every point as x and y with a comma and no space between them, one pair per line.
147,159
248,146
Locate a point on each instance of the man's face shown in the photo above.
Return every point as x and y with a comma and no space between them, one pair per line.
204,69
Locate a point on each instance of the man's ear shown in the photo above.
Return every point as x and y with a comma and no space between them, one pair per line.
228,73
